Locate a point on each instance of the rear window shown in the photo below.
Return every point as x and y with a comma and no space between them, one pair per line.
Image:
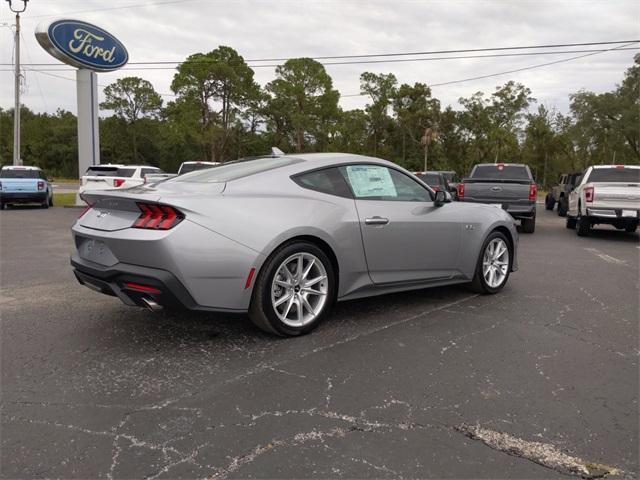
234,170
431,179
615,175
192,167
329,181
110,172
20,173
501,172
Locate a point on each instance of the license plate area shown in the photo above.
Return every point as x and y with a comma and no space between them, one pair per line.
95,251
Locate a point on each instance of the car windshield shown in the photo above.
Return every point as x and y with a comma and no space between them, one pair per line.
501,172
13,173
615,175
192,167
234,170
110,172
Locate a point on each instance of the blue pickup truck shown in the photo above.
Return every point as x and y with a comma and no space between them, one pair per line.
24,185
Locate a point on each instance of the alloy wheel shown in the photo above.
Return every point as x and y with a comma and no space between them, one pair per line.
299,289
495,263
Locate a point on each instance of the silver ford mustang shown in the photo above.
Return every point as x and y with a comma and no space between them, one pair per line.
284,237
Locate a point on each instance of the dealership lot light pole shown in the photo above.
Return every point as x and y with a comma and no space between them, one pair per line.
16,112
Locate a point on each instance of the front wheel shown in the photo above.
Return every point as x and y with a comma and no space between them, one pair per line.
549,202
494,264
295,290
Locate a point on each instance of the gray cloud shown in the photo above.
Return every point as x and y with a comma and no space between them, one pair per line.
261,29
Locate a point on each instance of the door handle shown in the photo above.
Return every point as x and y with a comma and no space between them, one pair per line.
376,221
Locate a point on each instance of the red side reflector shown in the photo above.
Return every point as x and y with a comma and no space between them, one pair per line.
141,288
250,277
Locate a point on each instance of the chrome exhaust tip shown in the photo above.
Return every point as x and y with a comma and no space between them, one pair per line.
151,305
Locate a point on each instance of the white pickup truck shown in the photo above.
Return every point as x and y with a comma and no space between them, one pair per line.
606,194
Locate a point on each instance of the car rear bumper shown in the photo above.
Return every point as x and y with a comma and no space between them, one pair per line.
23,197
136,285
614,213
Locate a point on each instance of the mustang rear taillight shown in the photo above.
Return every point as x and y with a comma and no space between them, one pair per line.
40,185
117,182
157,217
589,194
533,191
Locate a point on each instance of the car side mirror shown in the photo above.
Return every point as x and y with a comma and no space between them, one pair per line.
442,197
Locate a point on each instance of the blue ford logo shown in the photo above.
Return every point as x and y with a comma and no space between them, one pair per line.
82,45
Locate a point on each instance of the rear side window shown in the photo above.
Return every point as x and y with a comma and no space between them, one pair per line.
615,175
144,171
501,172
329,181
235,170
125,172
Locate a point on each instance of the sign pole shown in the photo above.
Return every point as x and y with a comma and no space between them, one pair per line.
88,133
17,159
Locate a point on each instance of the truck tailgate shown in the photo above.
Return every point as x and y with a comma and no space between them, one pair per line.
496,192
13,185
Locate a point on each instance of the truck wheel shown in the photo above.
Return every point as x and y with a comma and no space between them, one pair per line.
631,227
562,208
571,222
528,225
583,225
45,204
51,201
549,202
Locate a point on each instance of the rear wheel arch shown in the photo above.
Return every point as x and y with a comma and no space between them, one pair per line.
315,240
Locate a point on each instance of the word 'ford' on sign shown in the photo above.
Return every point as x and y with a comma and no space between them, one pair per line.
82,45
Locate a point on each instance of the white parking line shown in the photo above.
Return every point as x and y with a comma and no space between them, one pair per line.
605,257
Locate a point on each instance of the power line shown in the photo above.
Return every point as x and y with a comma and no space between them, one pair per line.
399,54
122,7
459,57
530,67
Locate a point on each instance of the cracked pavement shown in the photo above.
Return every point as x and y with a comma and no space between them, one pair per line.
94,389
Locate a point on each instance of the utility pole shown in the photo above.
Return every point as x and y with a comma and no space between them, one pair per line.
17,160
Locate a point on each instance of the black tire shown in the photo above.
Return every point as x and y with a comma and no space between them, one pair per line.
631,227
51,201
261,310
45,204
583,226
549,202
479,284
562,207
571,222
2,204
528,225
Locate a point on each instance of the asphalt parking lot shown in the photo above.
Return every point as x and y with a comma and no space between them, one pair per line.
419,384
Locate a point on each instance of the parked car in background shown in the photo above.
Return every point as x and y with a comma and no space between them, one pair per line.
507,185
283,237
187,167
19,184
559,193
606,194
110,176
452,181
435,180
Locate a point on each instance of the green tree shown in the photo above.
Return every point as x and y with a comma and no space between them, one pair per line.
132,99
302,104
381,88
221,85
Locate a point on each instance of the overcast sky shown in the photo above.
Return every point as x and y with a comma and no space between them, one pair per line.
163,30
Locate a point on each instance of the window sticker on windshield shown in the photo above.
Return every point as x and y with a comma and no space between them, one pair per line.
371,181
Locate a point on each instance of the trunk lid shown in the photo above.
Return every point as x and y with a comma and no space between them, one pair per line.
118,209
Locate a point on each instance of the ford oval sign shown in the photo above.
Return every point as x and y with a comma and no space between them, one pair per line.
82,45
